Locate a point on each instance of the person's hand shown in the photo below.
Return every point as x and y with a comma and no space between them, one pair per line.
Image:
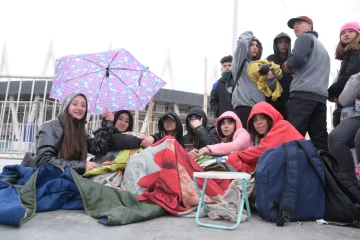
194,153
270,75
334,100
147,141
195,123
286,69
90,166
109,116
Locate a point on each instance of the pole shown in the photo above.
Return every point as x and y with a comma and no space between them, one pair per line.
235,25
205,86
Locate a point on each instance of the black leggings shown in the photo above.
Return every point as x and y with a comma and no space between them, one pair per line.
243,112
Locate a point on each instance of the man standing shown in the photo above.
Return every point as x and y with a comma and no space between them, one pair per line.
310,62
220,99
282,51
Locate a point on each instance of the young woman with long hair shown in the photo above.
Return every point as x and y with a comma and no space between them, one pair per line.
63,141
347,51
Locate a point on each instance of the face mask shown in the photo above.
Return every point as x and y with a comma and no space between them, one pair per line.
225,75
357,107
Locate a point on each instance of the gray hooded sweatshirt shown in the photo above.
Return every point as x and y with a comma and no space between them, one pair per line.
246,92
311,62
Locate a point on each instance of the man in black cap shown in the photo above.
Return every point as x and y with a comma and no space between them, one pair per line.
310,62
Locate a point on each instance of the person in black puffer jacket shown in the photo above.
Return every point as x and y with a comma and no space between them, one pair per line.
168,125
122,122
63,141
198,132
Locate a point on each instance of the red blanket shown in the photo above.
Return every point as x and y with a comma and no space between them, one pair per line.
172,187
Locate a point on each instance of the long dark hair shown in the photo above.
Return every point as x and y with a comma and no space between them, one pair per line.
73,144
255,136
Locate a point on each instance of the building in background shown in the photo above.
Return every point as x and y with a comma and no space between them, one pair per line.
25,104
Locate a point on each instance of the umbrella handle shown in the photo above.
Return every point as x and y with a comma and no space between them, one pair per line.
109,124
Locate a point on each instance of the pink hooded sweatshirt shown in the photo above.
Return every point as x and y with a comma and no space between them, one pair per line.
241,138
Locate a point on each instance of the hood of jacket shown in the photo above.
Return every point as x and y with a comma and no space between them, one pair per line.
249,58
179,127
264,108
228,114
67,102
313,33
198,112
131,119
276,50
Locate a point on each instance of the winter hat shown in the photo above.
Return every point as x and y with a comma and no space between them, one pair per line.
351,25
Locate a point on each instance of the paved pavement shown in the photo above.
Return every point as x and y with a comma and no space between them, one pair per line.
63,225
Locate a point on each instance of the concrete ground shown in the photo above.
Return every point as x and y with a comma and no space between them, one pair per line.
64,225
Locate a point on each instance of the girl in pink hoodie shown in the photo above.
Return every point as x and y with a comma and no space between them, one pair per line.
233,137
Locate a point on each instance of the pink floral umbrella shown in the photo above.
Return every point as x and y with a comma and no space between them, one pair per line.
114,79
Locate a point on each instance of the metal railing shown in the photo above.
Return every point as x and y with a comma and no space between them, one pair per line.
25,105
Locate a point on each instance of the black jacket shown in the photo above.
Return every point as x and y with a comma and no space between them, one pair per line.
50,135
49,142
219,101
179,129
202,135
349,66
280,103
121,141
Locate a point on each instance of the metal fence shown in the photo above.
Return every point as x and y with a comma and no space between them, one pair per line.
25,105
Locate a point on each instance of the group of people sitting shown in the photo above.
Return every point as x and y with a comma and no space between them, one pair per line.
63,140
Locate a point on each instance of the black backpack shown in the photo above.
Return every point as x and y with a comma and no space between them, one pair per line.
342,197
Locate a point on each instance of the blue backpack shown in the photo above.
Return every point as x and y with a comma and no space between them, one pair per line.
290,183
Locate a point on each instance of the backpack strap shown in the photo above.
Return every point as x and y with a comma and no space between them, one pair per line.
291,187
229,90
308,147
238,74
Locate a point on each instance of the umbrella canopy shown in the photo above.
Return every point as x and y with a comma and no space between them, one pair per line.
113,79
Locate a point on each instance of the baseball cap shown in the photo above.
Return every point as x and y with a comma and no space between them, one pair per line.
292,21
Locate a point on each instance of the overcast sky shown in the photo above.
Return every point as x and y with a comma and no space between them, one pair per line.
192,30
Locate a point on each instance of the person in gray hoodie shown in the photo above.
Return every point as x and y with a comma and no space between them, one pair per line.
245,92
310,62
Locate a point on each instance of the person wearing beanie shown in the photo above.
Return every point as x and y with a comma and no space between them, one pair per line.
63,141
245,93
310,63
220,100
347,51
